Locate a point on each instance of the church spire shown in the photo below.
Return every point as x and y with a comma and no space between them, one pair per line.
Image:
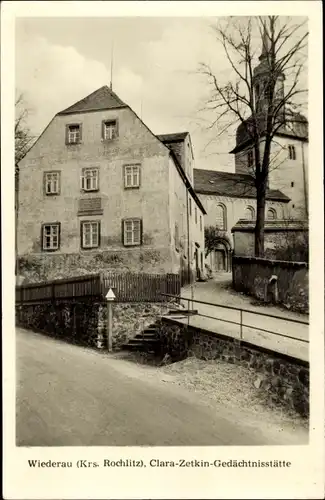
265,44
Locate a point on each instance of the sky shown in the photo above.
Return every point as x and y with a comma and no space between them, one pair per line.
155,71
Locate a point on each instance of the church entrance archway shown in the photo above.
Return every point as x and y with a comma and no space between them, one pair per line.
220,257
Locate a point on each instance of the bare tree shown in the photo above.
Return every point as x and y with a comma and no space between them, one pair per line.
23,136
262,112
212,236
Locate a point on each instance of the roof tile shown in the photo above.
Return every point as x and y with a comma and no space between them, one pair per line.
230,184
103,98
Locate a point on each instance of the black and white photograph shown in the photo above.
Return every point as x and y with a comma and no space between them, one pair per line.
162,235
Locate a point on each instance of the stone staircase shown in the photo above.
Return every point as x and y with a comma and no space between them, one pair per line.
148,340
145,341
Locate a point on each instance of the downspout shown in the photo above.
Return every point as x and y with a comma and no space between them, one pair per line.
304,178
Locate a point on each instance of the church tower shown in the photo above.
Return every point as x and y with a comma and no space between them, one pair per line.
265,78
288,170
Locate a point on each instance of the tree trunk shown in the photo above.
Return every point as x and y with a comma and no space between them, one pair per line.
260,219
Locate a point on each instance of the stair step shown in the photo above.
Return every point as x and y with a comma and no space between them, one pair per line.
146,336
181,312
142,341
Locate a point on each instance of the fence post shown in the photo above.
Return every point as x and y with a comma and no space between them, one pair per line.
110,298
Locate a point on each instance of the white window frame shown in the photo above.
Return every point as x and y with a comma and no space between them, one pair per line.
52,182
88,228
132,176
90,174
51,231
74,136
110,130
130,228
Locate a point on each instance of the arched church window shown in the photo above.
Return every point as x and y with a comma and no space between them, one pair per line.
292,152
249,213
271,214
221,219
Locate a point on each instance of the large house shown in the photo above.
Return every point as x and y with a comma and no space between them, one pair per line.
99,187
228,197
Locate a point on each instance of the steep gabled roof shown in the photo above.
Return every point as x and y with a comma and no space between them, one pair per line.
231,184
178,136
103,98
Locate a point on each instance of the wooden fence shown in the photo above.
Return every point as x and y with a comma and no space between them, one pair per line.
127,287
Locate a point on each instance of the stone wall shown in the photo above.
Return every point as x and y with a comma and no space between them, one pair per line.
252,276
47,267
282,379
283,239
84,322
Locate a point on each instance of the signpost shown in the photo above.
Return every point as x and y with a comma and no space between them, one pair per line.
110,297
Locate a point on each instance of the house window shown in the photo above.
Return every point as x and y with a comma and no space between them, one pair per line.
132,232
52,182
271,214
195,215
73,134
89,179
90,234
51,236
250,159
292,184
131,176
201,225
109,130
249,213
292,152
221,217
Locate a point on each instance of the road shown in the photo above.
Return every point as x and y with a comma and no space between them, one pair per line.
71,396
219,291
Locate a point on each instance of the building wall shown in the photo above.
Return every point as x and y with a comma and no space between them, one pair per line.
284,171
235,209
135,144
182,213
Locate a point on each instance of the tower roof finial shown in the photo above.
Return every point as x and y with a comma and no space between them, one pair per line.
265,43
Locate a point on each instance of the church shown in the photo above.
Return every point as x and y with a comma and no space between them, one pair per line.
228,197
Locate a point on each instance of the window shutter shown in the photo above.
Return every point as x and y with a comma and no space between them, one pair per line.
59,235
123,239
99,234
103,129
82,179
80,132
141,231
42,236
81,235
116,129
67,134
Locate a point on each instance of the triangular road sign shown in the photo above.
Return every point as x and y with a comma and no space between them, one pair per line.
110,295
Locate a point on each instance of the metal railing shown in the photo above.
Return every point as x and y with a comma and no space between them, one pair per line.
240,323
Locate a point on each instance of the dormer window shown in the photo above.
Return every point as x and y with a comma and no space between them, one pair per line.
109,130
73,134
